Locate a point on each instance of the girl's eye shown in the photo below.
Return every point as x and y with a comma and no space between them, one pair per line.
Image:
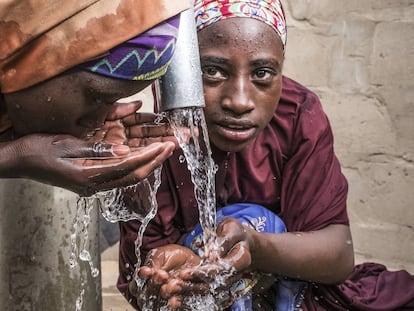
212,73
264,75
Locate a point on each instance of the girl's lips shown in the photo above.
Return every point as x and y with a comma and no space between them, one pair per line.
235,133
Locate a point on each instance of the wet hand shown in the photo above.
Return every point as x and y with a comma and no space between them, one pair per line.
82,166
227,263
160,275
142,128
101,161
232,255
235,243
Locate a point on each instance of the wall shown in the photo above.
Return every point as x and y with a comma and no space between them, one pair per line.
358,56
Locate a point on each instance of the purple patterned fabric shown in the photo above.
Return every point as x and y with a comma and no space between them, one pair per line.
145,57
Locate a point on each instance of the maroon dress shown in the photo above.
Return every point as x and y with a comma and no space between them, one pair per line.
291,169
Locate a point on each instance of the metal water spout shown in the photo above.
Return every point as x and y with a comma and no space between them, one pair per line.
182,85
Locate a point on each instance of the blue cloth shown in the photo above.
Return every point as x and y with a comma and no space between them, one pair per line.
256,216
288,292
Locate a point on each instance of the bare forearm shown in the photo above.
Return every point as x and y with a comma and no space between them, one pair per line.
324,256
8,159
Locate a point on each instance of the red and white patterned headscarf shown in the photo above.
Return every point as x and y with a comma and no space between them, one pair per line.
271,12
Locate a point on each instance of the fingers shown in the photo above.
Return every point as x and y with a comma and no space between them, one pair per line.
143,142
173,287
239,256
91,175
142,118
120,111
205,273
117,172
149,130
70,147
179,257
229,232
156,276
175,302
158,283
140,129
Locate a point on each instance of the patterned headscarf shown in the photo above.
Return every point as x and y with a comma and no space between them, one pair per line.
145,57
271,12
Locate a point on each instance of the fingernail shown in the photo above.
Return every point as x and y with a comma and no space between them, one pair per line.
120,149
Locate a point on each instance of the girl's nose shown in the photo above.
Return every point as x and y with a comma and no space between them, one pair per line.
239,98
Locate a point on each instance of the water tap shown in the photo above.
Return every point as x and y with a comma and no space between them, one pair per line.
182,85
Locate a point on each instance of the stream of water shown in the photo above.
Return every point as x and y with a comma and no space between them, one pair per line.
80,245
139,202
191,131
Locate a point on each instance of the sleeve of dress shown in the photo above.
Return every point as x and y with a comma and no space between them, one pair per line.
314,190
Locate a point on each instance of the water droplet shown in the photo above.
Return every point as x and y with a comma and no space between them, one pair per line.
94,272
84,255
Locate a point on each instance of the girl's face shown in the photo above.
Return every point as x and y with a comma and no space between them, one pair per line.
75,102
241,62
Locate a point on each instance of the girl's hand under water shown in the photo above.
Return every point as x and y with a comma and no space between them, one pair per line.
173,273
227,263
162,284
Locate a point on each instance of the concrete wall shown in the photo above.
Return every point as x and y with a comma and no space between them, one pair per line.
36,224
358,56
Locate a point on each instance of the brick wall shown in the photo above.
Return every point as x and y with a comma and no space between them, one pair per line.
358,56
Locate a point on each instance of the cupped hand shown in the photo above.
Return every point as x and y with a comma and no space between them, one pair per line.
103,160
232,256
85,167
228,262
160,276
142,128
174,273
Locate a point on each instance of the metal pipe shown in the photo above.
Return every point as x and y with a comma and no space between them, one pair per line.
182,84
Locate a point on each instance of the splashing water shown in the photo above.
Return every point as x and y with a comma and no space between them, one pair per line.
196,147
191,132
80,233
80,229
129,203
79,300
138,202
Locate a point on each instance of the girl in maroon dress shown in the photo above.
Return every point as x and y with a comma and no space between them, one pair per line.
273,146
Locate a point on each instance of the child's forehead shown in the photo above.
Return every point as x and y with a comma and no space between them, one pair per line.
270,12
238,33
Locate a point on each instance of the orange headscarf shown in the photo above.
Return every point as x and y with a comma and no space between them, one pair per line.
40,39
